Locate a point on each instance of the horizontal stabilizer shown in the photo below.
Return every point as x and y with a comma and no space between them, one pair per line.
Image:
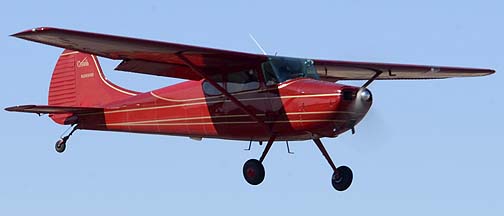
42,109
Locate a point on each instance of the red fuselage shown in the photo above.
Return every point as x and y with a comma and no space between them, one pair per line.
231,95
297,109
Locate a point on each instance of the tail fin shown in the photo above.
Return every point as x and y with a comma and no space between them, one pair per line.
78,81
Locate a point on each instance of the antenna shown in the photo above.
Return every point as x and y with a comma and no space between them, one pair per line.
258,45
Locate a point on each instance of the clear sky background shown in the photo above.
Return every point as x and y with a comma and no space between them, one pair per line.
426,147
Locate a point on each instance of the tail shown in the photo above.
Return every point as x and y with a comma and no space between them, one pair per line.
78,81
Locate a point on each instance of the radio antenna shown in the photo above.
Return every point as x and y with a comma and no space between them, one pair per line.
258,45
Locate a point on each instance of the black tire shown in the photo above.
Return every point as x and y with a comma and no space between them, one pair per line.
60,146
253,172
343,180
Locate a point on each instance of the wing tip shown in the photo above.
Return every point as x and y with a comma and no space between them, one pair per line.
25,33
18,108
486,72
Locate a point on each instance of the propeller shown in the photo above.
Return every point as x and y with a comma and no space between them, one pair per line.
373,129
374,133
361,101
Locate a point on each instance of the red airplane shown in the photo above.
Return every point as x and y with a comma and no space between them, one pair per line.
228,95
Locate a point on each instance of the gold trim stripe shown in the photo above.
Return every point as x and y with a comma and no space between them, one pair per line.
243,99
222,96
69,53
228,116
218,101
203,98
230,122
184,119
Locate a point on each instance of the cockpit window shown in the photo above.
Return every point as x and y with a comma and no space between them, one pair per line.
276,70
209,89
269,74
280,69
242,81
233,82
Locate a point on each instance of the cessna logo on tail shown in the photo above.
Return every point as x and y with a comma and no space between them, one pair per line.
83,63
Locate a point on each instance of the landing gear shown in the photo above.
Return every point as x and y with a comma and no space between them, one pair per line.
60,145
253,170
342,179
342,176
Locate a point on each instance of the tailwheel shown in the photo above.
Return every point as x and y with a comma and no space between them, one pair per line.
342,178
60,145
253,171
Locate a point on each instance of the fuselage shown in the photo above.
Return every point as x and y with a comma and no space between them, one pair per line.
296,109
231,95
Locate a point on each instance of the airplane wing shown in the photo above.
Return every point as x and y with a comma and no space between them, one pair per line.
43,109
146,56
163,58
346,70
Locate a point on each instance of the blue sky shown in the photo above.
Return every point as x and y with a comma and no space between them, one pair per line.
426,147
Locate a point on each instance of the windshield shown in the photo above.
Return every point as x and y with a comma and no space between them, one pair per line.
281,69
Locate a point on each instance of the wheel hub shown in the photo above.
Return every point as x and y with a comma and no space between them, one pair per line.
251,173
338,178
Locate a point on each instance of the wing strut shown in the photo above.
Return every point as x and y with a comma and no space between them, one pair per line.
377,74
223,91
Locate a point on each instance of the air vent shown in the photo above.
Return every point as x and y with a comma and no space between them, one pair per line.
348,94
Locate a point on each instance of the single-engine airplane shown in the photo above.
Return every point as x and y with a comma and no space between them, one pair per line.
228,95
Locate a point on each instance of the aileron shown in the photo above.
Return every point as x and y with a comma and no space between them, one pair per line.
342,70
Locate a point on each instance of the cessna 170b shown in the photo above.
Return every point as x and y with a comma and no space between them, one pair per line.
228,95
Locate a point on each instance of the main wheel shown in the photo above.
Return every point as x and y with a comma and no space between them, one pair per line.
60,146
253,171
343,179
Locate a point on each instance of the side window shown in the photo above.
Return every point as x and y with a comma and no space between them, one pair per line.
242,81
269,75
209,89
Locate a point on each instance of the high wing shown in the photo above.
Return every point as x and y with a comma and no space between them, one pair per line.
146,56
164,59
347,70
43,109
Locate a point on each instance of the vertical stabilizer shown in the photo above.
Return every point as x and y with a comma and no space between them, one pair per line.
78,81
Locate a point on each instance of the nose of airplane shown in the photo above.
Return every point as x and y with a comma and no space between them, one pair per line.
364,95
357,95
356,101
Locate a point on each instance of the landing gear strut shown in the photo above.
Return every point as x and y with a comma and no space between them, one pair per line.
253,170
254,173
342,176
60,145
